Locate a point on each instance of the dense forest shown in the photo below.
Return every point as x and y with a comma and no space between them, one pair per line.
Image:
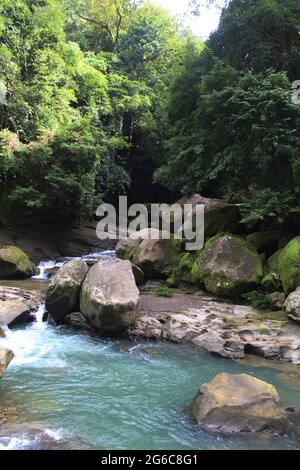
102,98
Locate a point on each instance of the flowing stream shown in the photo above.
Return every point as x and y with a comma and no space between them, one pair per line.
71,391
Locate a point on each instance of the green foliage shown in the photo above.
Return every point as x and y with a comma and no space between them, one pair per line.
54,175
233,129
99,94
143,48
239,138
258,35
80,106
266,206
258,299
164,292
182,272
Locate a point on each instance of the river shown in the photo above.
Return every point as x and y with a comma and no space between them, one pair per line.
72,391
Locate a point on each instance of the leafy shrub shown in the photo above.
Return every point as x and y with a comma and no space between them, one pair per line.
257,299
267,206
164,292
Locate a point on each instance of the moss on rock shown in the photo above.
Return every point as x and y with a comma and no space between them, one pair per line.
265,242
272,262
289,265
15,264
228,266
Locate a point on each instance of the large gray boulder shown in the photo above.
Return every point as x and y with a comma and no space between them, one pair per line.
6,355
292,305
151,250
219,216
266,242
155,257
238,403
228,266
125,248
15,264
109,296
62,296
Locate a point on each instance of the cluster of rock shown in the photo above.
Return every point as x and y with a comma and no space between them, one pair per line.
151,252
104,296
220,328
231,263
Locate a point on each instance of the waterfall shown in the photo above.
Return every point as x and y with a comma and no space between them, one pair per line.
39,314
45,267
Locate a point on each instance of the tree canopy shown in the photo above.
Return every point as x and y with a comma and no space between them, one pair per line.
109,97
233,126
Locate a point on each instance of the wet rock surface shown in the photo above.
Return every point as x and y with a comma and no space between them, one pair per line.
34,436
220,328
8,414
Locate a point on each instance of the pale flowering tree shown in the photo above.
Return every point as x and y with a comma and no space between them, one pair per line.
3,92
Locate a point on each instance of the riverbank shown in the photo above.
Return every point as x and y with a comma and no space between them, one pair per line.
217,326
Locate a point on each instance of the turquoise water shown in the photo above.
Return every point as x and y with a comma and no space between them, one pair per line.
73,391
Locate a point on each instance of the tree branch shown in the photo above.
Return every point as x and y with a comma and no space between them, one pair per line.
118,25
99,23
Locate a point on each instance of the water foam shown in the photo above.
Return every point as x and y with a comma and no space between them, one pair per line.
45,267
